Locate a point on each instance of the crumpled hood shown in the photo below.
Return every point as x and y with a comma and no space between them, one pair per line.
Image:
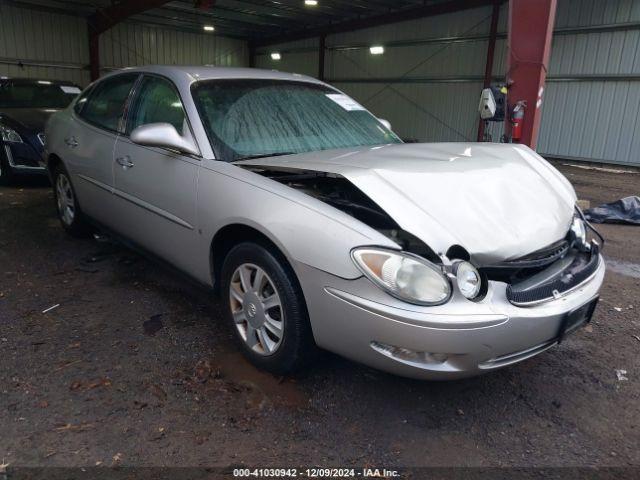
498,201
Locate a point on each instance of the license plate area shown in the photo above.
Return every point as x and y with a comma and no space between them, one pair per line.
577,318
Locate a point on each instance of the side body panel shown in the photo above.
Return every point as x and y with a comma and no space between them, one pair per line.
155,201
305,229
87,153
90,164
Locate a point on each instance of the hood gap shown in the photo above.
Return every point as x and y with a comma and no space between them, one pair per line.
338,192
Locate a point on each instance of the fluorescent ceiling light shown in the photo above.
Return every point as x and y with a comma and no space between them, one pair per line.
376,50
311,3
209,28
275,56
44,82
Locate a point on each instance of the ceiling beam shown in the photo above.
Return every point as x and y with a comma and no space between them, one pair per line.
333,8
105,18
203,4
223,13
411,13
225,28
277,10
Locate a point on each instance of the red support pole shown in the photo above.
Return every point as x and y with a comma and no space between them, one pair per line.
105,18
491,49
529,48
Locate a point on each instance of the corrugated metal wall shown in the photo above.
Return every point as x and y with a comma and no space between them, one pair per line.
438,99
592,96
131,44
49,45
301,57
55,46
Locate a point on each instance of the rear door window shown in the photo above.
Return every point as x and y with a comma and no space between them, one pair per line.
105,106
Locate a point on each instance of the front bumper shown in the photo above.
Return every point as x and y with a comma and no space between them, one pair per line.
23,158
353,318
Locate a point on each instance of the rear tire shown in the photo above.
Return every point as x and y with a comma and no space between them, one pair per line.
266,310
67,206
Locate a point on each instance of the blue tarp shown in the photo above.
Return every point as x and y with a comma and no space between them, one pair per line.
626,211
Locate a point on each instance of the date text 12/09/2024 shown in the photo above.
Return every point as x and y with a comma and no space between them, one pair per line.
315,473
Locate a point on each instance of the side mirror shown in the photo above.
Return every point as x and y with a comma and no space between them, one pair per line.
385,123
163,135
487,107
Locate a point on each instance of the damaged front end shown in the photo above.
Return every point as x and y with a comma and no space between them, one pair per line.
552,272
340,193
543,275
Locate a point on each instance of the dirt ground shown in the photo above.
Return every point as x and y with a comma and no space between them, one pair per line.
134,368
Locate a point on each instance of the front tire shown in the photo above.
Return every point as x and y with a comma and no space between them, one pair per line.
69,212
266,309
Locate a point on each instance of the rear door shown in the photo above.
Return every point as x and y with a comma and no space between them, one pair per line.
156,187
97,119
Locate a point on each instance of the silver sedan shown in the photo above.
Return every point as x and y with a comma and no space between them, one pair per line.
320,228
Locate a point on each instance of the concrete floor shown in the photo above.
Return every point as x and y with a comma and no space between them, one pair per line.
133,369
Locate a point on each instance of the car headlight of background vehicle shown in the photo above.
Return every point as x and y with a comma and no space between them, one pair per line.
405,276
9,134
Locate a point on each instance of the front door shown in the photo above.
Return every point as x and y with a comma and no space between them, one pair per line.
156,188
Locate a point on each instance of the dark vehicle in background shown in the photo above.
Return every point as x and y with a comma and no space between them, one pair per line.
25,107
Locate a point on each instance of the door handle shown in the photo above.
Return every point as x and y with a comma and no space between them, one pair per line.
71,141
125,162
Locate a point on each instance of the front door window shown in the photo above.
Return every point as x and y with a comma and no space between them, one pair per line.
157,102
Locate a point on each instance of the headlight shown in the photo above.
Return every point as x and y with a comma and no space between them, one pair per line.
579,231
468,279
407,277
9,135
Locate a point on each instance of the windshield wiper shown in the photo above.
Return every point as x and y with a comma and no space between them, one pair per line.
264,155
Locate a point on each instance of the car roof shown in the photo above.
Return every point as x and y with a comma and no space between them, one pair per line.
190,74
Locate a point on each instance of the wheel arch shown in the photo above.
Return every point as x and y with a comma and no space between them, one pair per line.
53,161
235,233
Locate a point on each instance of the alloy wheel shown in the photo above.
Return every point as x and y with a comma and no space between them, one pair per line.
256,308
65,200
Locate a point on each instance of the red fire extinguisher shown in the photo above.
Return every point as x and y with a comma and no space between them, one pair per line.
517,117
